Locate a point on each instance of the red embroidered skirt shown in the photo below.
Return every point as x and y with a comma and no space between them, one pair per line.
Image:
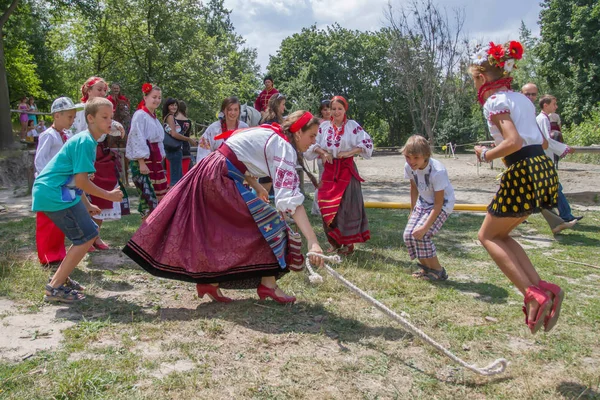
203,232
341,203
157,173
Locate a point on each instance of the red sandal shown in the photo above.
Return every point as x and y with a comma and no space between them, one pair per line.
559,295
534,293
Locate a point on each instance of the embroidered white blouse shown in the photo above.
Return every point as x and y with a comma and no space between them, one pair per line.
144,128
354,136
522,113
207,143
265,153
50,142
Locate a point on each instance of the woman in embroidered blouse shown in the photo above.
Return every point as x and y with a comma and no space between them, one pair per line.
528,185
213,231
340,196
145,150
228,121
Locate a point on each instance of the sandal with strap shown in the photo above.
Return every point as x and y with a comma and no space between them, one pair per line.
423,270
434,275
559,295
71,284
533,293
62,294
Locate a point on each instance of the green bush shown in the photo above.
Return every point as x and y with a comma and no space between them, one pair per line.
586,133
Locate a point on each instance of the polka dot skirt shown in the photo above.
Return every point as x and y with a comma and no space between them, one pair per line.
526,187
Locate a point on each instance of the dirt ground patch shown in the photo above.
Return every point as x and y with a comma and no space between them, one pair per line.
384,180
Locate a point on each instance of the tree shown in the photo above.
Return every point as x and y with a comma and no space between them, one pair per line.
187,48
529,65
6,133
569,52
320,63
424,55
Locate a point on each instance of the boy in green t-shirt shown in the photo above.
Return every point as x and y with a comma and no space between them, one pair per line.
58,189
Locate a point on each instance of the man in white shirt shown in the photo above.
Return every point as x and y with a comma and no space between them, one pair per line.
565,220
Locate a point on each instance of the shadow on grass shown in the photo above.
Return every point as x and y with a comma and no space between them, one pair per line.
267,317
486,292
573,390
576,239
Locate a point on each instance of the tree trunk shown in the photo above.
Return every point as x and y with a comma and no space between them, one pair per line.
6,132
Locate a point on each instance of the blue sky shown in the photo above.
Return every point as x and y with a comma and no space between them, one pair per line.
265,23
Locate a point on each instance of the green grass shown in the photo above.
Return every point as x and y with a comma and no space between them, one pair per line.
140,337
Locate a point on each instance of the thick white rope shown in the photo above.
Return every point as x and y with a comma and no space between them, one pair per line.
497,367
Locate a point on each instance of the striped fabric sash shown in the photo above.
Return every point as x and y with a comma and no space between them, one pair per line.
267,219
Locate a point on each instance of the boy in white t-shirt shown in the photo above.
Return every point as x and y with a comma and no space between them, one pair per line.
432,200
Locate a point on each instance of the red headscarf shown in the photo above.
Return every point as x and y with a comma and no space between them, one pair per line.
341,100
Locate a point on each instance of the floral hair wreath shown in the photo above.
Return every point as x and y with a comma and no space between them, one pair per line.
498,55
146,88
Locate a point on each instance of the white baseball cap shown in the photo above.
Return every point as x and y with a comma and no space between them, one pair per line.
65,104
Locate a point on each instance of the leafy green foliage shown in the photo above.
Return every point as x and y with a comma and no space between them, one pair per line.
569,52
586,133
317,64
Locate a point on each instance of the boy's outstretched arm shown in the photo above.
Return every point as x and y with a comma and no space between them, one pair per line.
83,183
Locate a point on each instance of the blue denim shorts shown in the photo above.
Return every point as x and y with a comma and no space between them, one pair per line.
75,222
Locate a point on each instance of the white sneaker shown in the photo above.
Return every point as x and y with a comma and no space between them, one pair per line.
564,225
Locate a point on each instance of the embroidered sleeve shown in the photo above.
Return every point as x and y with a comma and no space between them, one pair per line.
495,105
137,148
281,162
363,141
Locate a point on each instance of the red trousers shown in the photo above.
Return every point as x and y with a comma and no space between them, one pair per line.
49,239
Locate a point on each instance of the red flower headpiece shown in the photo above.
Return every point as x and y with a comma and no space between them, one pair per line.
146,88
498,55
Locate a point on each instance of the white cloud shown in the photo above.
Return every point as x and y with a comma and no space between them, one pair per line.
265,23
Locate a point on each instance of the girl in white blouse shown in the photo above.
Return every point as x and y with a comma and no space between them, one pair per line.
213,231
145,150
528,185
229,120
340,197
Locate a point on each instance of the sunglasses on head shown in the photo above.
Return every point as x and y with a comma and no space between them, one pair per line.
530,94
